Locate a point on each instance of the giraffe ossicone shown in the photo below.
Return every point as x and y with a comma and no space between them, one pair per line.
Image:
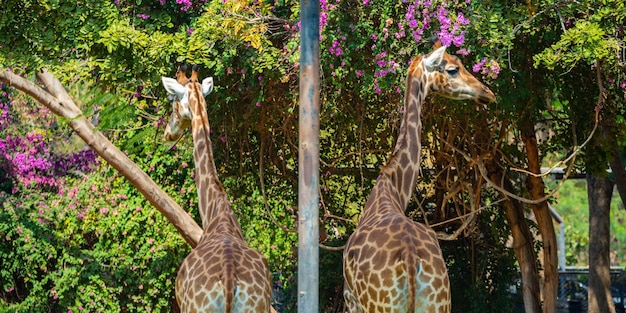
391,263
222,273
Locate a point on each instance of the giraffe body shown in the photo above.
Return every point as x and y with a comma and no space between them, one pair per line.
391,263
238,287
404,272
222,273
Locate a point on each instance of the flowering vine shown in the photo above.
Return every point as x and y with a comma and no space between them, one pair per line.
390,38
32,159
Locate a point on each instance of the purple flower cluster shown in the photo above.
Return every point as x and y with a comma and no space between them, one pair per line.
491,68
184,4
450,26
30,159
394,38
384,66
449,33
335,48
325,7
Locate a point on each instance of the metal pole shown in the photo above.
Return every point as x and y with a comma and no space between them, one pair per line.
308,159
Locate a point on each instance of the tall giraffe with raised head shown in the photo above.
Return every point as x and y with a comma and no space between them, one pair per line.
221,274
391,263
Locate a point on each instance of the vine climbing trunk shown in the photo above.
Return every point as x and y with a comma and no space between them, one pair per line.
59,102
536,189
599,191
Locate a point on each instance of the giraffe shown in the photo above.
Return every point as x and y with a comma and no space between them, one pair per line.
390,263
221,274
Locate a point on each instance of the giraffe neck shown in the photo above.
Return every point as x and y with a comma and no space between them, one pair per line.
403,167
212,199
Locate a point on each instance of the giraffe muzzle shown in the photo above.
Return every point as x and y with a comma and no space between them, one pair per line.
169,135
486,96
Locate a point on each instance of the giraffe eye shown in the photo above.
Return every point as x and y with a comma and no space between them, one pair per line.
452,71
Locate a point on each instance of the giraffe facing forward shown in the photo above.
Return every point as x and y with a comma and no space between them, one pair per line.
221,274
391,263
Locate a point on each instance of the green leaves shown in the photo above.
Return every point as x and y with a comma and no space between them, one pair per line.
586,41
94,245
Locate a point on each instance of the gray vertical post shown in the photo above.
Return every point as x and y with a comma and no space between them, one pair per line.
308,159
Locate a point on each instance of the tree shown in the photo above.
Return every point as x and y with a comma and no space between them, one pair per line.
535,55
57,100
589,49
600,190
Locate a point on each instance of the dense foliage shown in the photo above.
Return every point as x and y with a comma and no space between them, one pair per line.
78,236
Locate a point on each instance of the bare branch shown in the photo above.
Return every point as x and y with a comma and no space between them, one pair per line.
262,181
329,248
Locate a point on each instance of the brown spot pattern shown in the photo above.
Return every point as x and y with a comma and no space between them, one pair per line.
387,248
221,272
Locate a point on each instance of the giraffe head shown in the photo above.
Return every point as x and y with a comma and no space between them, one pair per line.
448,77
183,93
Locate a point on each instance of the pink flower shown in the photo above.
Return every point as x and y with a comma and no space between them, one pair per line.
476,68
494,67
458,40
335,48
185,4
463,52
462,19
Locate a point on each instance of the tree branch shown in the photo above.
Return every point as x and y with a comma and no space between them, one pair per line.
59,102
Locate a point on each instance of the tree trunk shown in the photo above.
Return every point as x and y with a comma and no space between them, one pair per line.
536,189
617,165
599,191
59,102
522,241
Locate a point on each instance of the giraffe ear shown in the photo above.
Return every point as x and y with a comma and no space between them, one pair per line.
173,87
435,59
207,86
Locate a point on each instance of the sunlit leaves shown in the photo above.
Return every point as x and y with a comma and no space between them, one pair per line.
586,42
